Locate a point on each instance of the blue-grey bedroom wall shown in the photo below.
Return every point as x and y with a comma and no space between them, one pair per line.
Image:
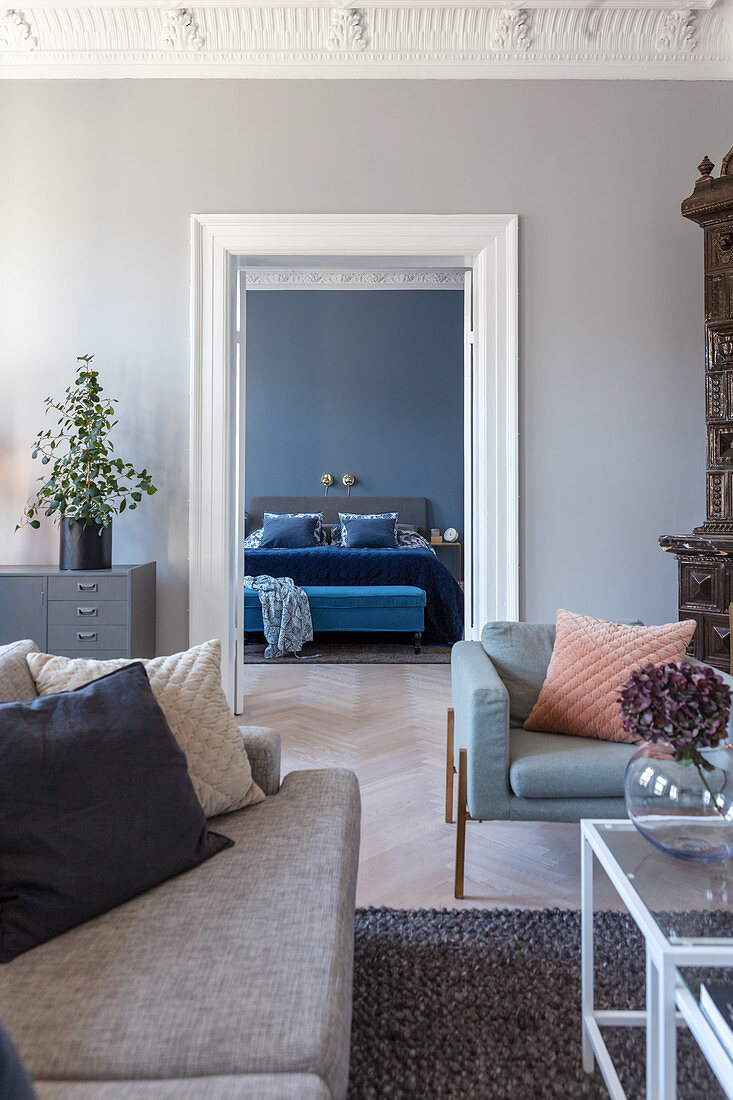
368,382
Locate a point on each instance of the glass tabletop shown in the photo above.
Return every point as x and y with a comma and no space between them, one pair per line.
691,902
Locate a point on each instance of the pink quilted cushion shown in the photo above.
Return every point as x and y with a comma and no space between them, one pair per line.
590,662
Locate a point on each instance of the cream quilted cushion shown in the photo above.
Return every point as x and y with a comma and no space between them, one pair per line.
188,688
16,682
591,660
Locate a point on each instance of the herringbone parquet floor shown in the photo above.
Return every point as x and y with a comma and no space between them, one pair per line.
387,723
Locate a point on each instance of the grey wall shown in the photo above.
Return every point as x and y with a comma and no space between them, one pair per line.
99,180
368,382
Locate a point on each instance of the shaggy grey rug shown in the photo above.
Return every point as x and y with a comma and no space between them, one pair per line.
485,1005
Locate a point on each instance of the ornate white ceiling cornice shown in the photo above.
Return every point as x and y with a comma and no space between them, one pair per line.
381,38
280,278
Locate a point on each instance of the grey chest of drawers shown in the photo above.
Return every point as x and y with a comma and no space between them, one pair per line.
106,613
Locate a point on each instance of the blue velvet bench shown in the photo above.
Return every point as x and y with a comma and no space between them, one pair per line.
367,608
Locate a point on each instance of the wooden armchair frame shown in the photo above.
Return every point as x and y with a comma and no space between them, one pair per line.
462,812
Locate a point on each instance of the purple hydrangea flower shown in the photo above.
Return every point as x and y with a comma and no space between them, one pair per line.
685,705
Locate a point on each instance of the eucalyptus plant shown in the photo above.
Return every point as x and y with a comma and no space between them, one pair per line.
85,481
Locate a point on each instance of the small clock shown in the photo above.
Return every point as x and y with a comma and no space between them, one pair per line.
450,535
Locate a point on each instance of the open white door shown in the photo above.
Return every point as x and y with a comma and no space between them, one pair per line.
239,350
468,432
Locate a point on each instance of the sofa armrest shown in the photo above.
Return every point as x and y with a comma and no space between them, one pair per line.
262,746
481,708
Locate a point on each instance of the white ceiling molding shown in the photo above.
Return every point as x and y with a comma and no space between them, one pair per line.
513,32
180,31
274,278
347,30
15,32
637,39
679,33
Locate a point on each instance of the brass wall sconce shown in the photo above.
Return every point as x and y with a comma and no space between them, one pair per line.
326,482
348,480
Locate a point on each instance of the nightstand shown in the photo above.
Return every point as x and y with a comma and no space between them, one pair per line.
442,545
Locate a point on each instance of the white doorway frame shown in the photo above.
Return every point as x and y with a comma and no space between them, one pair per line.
486,243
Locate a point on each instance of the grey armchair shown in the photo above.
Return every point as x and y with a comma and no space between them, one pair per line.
507,772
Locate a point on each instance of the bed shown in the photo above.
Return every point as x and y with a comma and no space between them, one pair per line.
334,565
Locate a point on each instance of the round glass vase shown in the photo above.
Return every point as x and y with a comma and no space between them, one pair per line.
685,809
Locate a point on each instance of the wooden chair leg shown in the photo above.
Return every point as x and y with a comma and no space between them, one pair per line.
462,818
450,768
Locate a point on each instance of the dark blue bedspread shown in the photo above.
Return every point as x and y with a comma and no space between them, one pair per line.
333,565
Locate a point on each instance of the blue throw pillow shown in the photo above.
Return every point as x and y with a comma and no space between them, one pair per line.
288,533
369,532
96,806
320,531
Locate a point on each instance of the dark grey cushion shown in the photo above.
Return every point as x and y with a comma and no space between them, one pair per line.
96,806
242,967
15,1084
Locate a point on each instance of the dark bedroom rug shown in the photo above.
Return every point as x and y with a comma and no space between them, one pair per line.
485,1005
359,652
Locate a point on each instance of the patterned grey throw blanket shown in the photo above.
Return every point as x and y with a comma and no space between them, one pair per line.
286,614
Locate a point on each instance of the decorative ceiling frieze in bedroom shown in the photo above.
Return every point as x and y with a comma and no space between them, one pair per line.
304,278
635,39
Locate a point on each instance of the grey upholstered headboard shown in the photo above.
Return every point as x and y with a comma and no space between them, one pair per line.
411,509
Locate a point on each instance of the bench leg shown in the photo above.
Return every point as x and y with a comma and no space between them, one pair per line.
418,640
450,768
462,818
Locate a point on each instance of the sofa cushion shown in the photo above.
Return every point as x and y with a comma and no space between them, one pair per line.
252,1086
521,653
96,805
243,967
556,765
188,688
362,596
591,660
16,682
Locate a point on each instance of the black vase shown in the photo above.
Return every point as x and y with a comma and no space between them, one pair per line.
85,546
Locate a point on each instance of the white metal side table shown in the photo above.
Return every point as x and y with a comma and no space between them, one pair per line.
671,902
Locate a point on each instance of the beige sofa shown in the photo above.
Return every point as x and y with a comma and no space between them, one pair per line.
230,982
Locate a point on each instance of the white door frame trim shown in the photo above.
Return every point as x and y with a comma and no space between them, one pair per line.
488,243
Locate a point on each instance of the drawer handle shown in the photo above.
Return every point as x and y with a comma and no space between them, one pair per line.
86,586
86,635
86,610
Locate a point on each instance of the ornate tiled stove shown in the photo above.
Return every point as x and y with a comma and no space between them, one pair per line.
706,556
